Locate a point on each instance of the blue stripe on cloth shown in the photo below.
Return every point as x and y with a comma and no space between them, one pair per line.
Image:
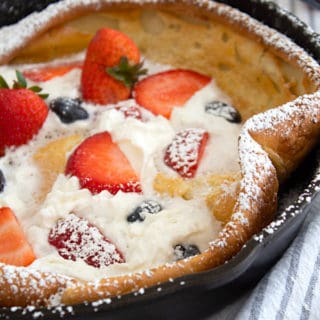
306,307
296,277
292,273
256,306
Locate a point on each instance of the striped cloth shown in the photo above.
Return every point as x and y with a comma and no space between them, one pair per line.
305,11
291,290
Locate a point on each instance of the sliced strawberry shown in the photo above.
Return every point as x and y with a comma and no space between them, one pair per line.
130,111
163,91
22,113
14,248
111,67
185,151
76,239
48,73
100,165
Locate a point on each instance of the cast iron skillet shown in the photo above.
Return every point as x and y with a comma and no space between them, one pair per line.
197,296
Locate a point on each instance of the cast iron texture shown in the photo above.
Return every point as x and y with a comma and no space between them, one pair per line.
197,296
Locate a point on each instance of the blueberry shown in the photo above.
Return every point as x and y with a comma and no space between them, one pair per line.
182,251
134,216
68,109
223,109
2,181
147,206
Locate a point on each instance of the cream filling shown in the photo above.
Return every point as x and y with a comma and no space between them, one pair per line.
144,244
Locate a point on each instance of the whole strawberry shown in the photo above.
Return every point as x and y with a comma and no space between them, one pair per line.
111,67
22,112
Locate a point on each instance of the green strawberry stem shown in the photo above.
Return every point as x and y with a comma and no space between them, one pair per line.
126,72
21,83
3,83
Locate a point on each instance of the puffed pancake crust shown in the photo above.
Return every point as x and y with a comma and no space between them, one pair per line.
274,84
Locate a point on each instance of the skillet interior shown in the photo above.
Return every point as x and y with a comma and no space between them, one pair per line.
259,254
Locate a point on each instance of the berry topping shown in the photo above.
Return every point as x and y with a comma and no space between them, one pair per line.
130,111
224,110
185,151
68,109
112,66
2,181
100,165
147,206
182,251
48,73
22,112
163,91
76,239
14,247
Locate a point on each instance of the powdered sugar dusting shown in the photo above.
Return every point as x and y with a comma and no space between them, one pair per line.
308,105
256,165
182,155
76,239
257,168
15,36
295,208
271,38
30,283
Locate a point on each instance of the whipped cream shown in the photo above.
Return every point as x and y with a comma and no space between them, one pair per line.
144,244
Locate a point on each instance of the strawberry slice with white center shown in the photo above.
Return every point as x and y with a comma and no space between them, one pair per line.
184,153
100,165
76,239
14,247
161,92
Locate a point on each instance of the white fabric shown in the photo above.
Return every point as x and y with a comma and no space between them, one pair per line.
307,13
291,290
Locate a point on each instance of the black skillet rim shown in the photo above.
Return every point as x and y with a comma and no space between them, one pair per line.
289,215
